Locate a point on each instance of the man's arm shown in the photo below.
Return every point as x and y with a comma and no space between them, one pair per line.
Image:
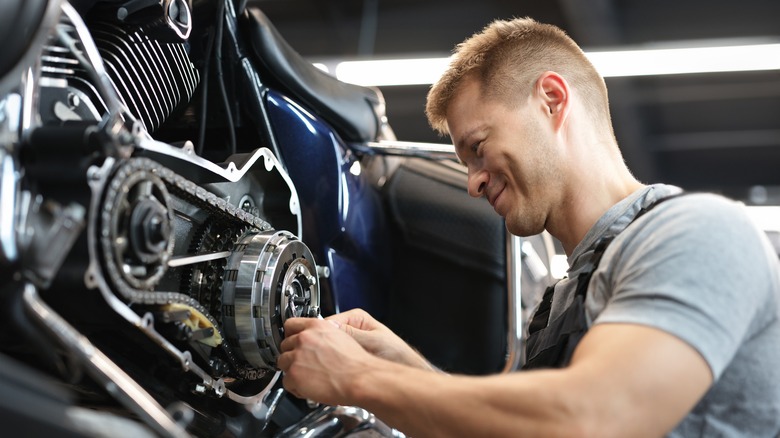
624,380
379,340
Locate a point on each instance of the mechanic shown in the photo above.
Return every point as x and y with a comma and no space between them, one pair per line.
668,323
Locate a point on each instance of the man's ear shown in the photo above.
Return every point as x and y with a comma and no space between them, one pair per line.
555,94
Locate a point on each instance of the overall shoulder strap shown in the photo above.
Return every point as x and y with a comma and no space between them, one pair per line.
655,203
584,278
541,317
552,343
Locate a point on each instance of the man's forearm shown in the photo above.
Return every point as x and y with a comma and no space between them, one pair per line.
423,403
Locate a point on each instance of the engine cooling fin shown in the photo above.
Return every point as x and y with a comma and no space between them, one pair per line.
152,91
153,78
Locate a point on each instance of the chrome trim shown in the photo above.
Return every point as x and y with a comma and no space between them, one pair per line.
114,380
232,172
11,111
181,27
536,266
514,271
189,260
340,421
408,148
257,398
9,192
29,100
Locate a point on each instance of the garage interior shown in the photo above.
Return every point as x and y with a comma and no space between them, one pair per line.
707,131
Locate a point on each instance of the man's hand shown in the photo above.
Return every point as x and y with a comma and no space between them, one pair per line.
321,358
319,361
377,339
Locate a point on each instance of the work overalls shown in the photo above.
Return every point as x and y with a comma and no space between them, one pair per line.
552,344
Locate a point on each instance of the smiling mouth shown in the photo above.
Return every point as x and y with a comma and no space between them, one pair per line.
492,200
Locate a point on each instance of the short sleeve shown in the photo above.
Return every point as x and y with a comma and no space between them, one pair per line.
696,267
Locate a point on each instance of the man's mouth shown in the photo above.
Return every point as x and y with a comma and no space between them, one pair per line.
492,198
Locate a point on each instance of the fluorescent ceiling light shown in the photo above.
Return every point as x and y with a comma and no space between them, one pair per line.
612,63
392,71
687,60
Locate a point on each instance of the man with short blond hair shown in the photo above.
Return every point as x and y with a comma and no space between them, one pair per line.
668,322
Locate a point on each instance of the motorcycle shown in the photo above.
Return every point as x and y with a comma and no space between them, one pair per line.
177,182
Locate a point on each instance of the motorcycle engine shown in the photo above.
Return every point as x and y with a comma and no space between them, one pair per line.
203,259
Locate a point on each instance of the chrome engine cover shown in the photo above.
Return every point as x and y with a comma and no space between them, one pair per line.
271,276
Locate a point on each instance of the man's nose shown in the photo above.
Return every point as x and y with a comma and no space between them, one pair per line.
476,184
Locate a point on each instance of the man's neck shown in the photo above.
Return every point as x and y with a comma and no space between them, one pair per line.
585,205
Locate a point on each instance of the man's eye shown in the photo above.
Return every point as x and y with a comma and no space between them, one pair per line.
475,147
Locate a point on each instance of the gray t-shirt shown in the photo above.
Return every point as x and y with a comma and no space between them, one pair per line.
699,268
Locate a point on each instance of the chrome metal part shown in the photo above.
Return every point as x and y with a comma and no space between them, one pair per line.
9,201
536,266
151,90
263,404
11,108
340,421
408,148
514,336
139,179
291,257
11,112
270,277
199,258
179,17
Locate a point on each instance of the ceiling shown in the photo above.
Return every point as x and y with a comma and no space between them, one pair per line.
717,131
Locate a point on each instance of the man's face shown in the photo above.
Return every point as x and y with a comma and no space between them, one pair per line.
510,154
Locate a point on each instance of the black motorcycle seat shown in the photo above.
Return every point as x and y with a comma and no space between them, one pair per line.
354,111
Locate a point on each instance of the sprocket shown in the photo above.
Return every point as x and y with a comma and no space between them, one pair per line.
136,225
204,280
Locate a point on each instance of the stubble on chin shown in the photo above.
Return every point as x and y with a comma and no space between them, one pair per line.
523,224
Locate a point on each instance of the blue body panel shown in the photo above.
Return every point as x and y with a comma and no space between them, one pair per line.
344,223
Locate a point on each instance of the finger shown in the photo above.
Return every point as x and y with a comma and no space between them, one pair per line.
355,318
284,361
362,337
288,343
355,314
297,325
